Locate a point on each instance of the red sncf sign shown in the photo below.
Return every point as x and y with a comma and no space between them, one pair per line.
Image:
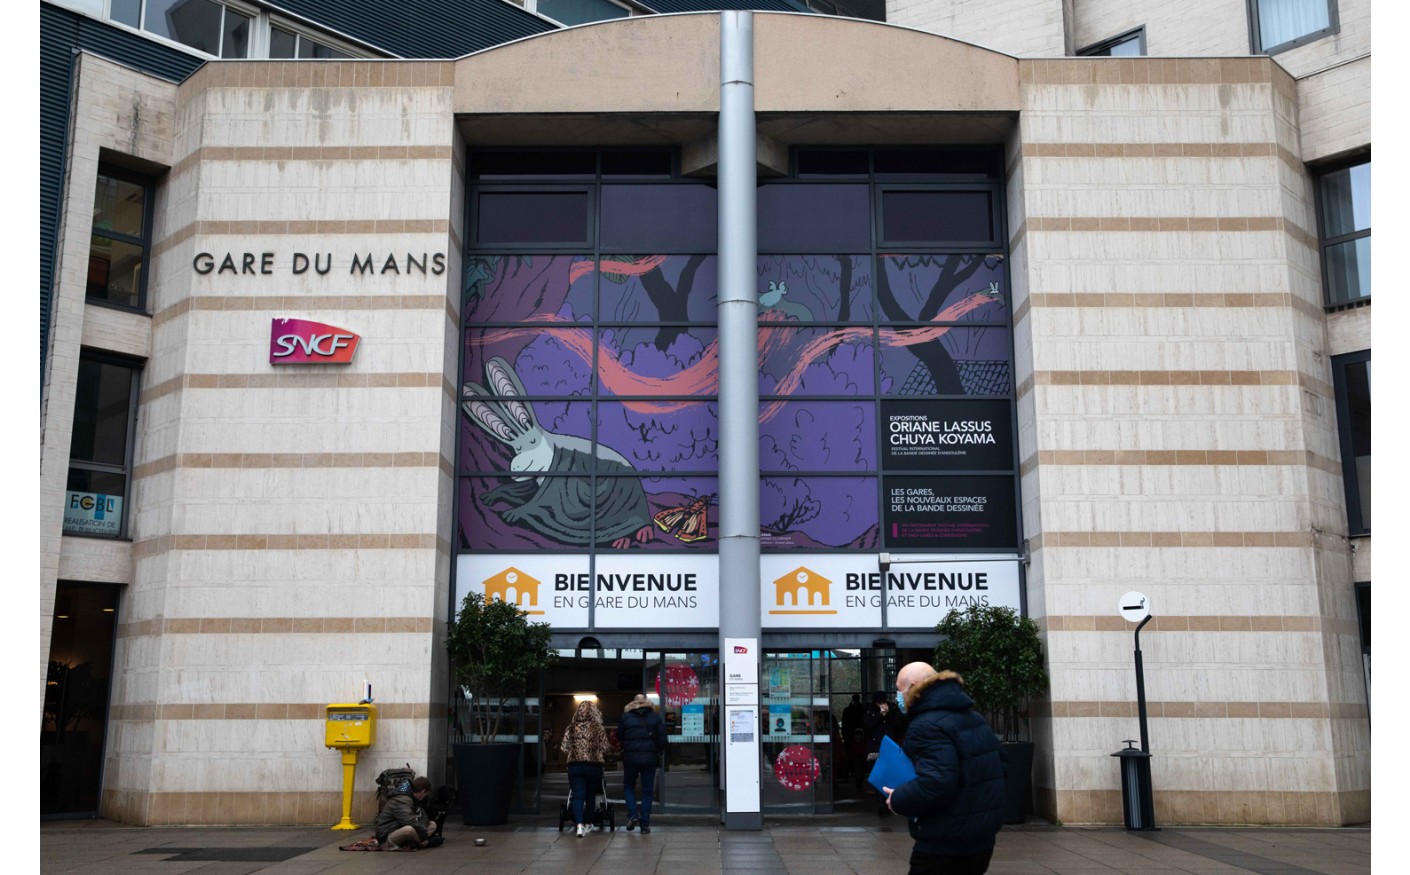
300,341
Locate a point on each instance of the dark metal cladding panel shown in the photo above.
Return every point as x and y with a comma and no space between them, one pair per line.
421,28
61,33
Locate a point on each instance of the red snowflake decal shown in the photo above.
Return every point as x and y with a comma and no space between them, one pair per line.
796,768
682,686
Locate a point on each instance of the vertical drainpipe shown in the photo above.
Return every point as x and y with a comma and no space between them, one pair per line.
739,370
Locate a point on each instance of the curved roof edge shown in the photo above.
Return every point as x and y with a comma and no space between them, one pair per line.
670,63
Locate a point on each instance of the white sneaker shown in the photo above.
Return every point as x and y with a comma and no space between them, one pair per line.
582,830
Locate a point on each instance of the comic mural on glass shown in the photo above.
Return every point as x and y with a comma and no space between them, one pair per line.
589,408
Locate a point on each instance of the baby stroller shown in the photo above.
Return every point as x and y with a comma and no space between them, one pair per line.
597,809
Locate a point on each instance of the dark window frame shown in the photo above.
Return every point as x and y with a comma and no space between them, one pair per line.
1255,31
1325,243
1362,589
1356,526
144,242
994,243
586,188
1101,49
135,366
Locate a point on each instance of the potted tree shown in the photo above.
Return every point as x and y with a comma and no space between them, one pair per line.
1000,656
494,650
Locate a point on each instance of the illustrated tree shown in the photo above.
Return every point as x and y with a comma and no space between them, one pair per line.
954,270
672,302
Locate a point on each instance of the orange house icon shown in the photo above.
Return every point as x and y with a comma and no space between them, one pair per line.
799,587
511,579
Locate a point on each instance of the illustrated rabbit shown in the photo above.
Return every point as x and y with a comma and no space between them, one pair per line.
557,506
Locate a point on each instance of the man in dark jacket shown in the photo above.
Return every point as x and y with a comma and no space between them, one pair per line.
402,823
642,736
955,803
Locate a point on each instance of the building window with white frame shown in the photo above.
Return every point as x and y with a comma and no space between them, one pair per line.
1284,24
1344,205
214,28
288,43
1131,44
571,12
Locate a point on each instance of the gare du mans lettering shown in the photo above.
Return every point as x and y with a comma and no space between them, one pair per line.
321,263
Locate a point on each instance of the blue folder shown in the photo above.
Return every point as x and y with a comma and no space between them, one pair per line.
892,767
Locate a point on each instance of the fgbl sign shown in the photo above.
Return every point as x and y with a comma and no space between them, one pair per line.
300,342
93,514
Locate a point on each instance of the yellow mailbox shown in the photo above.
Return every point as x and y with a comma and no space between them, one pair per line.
351,726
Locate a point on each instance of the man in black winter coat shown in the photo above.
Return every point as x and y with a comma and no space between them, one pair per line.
642,735
955,803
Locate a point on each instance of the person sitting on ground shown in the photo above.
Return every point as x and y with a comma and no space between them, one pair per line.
402,824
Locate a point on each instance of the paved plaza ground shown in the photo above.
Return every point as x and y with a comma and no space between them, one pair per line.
859,843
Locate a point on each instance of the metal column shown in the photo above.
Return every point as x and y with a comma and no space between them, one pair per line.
739,401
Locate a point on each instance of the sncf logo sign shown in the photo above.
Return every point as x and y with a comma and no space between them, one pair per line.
300,342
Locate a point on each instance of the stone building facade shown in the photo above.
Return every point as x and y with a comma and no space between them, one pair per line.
288,533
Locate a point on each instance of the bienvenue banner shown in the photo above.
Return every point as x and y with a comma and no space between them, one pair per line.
798,590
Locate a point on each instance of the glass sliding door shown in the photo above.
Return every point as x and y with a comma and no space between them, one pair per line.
686,686
798,729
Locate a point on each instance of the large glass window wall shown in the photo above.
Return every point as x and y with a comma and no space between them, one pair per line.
590,364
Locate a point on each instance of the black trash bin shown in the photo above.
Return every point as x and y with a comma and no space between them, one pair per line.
1137,803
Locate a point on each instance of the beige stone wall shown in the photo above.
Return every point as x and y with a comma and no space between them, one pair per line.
1198,28
131,114
289,524
1334,110
1025,28
1179,391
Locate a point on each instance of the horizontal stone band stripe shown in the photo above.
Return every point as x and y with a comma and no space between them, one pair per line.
1203,710
301,227
282,228
1174,378
1281,807
1150,150
291,460
274,626
1170,539
264,711
1153,71
1165,378
1222,224
351,73
365,541
279,304
1271,623
1185,457
399,152
296,380
1171,300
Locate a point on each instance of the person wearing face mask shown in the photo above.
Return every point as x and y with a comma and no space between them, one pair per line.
955,803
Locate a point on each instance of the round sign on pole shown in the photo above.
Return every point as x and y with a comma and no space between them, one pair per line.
1134,606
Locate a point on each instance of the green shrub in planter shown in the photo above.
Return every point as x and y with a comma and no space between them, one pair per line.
494,650
1000,657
